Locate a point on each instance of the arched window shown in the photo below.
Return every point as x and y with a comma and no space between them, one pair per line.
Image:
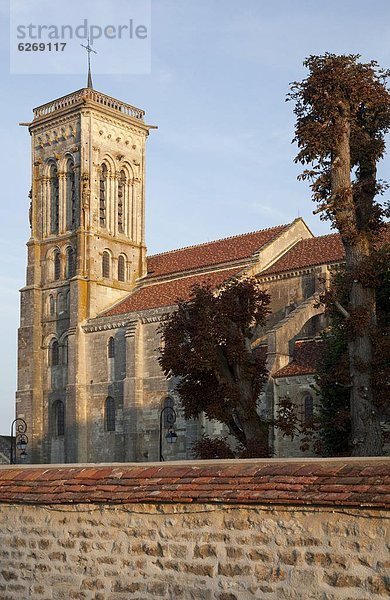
121,268
60,303
168,408
70,263
70,195
111,348
59,418
103,195
106,264
109,414
54,353
121,200
52,305
57,265
67,305
54,200
308,408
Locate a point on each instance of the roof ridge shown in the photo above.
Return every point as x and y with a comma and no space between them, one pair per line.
318,237
230,237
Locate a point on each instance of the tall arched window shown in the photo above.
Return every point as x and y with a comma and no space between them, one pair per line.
111,348
121,268
57,265
52,305
70,262
106,264
308,408
70,195
67,301
109,414
121,201
60,303
54,353
59,418
103,196
54,200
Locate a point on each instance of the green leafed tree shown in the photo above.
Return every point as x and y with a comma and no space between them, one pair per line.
209,346
343,113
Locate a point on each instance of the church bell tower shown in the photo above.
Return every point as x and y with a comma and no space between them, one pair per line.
86,251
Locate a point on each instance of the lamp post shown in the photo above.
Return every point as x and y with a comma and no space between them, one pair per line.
171,436
19,439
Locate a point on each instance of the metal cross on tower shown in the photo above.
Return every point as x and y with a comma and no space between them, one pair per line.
89,50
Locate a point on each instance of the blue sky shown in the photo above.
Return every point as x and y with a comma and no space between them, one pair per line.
221,162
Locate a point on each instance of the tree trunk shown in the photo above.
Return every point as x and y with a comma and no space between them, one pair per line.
365,426
256,431
366,431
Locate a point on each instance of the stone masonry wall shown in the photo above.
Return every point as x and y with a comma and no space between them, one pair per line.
204,551
207,530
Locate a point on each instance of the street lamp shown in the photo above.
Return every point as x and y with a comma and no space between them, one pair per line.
19,439
170,418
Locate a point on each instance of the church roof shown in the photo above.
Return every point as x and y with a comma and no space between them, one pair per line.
322,250
231,249
171,275
305,357
166,293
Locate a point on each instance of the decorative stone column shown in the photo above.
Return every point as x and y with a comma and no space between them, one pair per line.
62,202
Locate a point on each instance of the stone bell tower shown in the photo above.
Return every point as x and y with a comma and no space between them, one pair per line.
86,251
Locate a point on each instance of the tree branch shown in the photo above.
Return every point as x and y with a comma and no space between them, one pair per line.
342,310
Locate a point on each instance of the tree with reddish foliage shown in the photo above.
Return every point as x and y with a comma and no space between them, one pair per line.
209,346
343,114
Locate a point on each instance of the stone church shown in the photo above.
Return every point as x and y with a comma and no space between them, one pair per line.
89,384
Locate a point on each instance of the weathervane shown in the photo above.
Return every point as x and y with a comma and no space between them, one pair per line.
89,50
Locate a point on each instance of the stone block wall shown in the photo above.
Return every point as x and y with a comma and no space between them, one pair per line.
217,530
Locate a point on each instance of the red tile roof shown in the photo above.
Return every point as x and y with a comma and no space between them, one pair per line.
329,482
322,250
305,357
217,252
326,249
166,293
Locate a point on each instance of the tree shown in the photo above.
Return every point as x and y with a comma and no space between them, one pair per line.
208,345
333,377
343,114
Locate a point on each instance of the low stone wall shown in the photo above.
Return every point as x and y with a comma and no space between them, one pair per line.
201,545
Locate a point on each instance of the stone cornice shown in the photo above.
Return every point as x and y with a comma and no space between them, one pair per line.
297,272
119,123
55,122
105,326
155,318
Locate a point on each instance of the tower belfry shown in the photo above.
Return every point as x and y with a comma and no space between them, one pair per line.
86,250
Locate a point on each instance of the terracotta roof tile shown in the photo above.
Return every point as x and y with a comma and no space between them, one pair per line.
230,249
347,482
166,293
323,250
326,249
305,356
